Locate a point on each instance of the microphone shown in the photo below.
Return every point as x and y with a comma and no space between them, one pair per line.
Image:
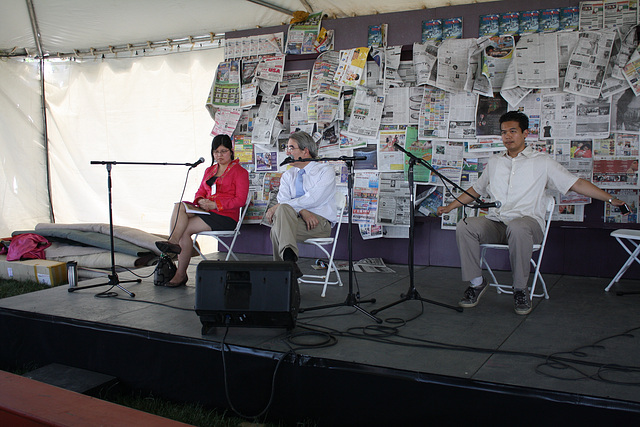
288,160
485,205
200,160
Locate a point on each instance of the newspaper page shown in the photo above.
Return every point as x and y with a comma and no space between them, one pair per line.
322,73
294,82
267,113
249,95
298,110
496,58
462,115
615,80
366,265
366,113
434,114
612,213
422,150
511,92
302,36
243,150
389,157
615,163
632,74
558,115
568,213
271,44
537,61
620,14
625,112
488,115
593,117
428,202
449,221
453,64
588,63
580,165
531,105
397,105
226,121
271,68
391,70
248,67
591,15
350,70
447,160
394,207
365,198
367,232
266,158
567,42
225,91
425,56
257,207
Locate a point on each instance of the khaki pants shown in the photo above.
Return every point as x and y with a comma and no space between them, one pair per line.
520,234
288,229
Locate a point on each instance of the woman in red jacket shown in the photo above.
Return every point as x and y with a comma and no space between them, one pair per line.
222,193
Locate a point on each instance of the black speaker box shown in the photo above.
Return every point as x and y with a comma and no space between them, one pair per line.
253,294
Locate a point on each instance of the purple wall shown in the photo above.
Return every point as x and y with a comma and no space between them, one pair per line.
573,248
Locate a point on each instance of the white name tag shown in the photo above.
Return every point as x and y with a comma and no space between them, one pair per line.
213,189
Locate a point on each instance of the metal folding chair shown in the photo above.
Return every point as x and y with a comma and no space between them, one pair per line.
628,239
508,289
228,234
323,243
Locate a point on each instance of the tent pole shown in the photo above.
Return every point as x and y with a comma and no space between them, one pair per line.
36,36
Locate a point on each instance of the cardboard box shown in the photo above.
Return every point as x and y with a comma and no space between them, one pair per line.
44,271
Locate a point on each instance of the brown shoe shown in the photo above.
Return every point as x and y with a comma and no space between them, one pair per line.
176,285
166,246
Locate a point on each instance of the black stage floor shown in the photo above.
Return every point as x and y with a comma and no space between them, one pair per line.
575,357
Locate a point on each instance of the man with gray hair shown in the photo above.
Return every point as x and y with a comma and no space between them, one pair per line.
306,201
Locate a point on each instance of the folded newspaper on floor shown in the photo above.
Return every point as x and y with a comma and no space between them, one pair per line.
366,265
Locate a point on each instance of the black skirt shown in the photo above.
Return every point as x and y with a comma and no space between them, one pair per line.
218,222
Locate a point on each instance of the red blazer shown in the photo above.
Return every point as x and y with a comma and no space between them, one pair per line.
232,189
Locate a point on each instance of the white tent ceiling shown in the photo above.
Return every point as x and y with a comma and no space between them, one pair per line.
68,25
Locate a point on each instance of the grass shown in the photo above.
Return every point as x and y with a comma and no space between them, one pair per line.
188,413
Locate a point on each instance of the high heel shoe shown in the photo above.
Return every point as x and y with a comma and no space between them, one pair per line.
176,285
166,246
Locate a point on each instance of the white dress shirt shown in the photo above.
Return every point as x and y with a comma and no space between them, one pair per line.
319,184
520,184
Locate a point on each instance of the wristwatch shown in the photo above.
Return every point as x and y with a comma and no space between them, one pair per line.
610,200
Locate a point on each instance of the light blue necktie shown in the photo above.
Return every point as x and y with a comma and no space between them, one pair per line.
299,187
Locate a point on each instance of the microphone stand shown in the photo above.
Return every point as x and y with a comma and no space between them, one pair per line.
412,293
113,277
352,300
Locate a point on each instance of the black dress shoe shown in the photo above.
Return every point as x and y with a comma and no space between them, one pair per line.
297,273
167,247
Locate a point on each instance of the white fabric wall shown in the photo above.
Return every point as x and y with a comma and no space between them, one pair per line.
128,110
24,199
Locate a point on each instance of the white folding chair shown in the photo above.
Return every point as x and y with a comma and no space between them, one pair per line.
227,233
508,289
631,237
323,243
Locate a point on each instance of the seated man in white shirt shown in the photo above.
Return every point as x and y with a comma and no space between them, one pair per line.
306,201
518,178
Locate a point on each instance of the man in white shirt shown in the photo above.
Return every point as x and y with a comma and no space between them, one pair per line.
306,201
518,178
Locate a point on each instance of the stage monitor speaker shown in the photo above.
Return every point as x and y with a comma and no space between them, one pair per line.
253,294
